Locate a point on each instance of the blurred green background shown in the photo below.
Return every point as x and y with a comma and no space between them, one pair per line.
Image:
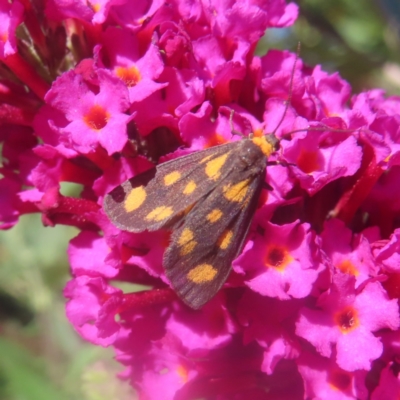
42,357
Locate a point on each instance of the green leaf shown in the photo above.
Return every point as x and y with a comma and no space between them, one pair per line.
23,376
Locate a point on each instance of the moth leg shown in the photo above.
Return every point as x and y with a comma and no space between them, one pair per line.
267,186
283,163
233,130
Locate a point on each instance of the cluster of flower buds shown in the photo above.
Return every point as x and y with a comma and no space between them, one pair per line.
97,92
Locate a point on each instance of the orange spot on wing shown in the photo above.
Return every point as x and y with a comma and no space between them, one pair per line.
213,167
190,187
186,242
159,213
214,215
203,273
171,178
135,199
237,192
225,240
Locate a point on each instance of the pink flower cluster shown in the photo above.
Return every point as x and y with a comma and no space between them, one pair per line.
311,307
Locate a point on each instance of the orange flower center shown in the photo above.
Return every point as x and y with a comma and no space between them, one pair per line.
131,76
277,257
347,319
97,117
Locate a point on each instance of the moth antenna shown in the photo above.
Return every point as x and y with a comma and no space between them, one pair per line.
233,130
323,127
289,99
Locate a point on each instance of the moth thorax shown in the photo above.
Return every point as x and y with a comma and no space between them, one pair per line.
266,143
250,153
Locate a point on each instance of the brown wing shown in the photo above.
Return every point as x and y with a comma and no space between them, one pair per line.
157,198
199,258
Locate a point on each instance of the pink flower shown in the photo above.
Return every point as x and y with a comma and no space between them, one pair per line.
319,163
282,263
92,119
140,73
347,318
310,308
325,380
350,254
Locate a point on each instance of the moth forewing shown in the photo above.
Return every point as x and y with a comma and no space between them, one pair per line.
208,199
157,198
199,258
115,203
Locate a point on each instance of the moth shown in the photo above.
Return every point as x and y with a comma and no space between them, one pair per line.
208,200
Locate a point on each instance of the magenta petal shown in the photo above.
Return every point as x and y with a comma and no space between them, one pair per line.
375,309
91,316
323,379
87,253
389,385
318,329
357,349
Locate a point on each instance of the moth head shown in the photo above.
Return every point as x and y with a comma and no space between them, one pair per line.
267,143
